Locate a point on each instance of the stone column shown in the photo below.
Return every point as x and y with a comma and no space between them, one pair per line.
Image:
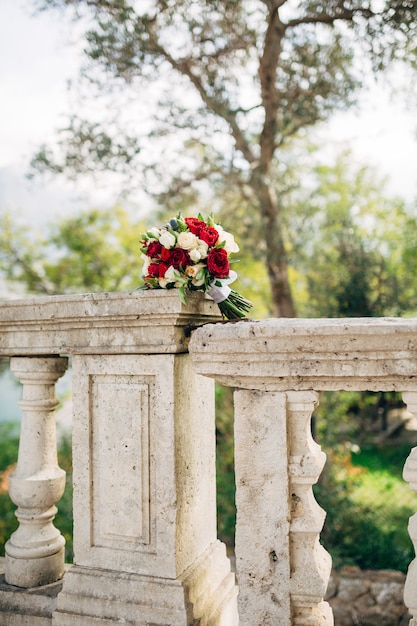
145,547
310,563
262,525
35,552
410,476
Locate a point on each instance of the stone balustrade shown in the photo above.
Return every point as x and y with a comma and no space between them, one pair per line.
145,546
278,368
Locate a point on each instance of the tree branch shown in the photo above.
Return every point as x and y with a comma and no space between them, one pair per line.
216,105
267,74
346,15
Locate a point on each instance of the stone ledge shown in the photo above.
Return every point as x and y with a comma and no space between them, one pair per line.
139,322
374,354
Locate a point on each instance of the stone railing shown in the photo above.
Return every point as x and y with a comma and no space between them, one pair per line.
278,369
145,546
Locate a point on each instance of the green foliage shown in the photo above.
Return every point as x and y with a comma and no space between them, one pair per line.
361,488
64,517
353,245
353,416
9,442
9,445
91,148
226,510
95,251
368,506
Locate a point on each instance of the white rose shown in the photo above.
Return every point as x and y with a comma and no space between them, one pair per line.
192,272
202,248
170,275
187,241
162,282
195,255
167,239
146,263
155,232
230,243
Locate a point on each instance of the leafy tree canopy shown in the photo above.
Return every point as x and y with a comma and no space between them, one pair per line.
349,259
354,247
94,251
241,77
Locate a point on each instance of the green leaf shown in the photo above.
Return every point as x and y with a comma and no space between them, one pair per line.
201,273
181,292
210,220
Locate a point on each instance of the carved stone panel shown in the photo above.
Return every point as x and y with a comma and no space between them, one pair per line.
123,449
120,501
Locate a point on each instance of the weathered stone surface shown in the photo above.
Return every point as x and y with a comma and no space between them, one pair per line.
373,354
310,563
26,607
141,322
262,499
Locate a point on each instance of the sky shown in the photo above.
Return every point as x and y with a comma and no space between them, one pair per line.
37,61
38,58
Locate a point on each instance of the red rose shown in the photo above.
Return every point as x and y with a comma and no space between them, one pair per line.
154,249
179,258
162,269
218,263
165,254
153,270
194,225
209,235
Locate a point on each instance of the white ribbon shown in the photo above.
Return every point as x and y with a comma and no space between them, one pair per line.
219,294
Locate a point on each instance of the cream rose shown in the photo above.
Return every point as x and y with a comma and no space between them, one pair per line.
146,262
170,275
195,255
155,232
192,271
230,243
202,248
187,241
167,239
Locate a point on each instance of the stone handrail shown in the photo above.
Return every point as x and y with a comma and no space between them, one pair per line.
278,368
145,546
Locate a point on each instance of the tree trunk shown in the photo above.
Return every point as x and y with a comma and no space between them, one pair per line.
276,254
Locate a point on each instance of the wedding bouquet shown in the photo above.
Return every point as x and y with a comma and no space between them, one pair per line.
192,254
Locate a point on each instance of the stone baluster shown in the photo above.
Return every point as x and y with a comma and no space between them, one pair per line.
35,552
410,476
310,563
